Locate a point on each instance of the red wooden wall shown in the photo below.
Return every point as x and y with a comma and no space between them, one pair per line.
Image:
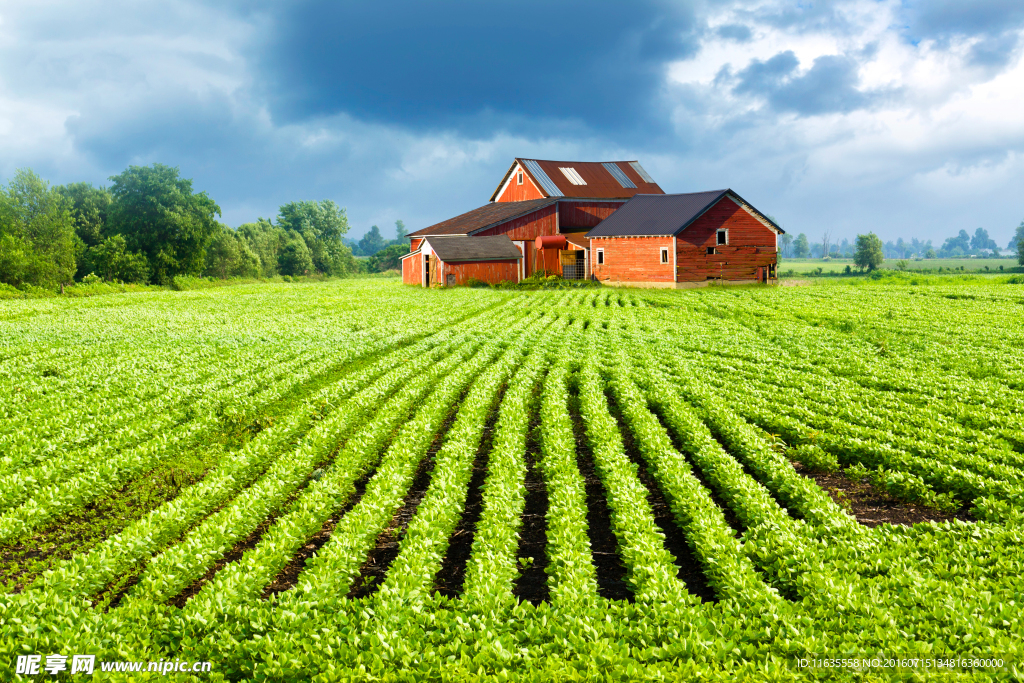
751,246
485,271
415,243
584,214
412,270
528,227
520,193
631,259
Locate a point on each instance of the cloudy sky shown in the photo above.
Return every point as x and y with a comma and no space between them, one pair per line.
905,118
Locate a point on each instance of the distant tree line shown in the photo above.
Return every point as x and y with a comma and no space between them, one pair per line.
962,245
150,225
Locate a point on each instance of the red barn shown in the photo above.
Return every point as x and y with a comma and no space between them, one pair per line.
685,240
538,199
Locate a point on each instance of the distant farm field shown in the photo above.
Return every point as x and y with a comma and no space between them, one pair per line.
982,265
357,480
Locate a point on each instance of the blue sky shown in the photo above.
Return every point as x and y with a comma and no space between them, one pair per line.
899,117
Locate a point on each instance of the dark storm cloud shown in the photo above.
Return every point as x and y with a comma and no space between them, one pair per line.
737,32
445,64
830,85
940,18
996,51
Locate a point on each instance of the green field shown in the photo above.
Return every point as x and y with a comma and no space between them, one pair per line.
357,480
837,266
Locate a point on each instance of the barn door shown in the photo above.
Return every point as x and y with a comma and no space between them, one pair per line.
450,279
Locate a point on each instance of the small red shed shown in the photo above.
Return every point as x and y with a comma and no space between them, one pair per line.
685,240
455,260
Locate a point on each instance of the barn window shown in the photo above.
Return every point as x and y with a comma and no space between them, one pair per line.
664,254
600,257
711,250
520,174
723,237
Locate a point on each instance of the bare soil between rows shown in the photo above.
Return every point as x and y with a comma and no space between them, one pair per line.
873,507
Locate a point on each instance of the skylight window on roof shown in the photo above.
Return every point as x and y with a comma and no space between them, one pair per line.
617,173
541,177
641,172
574,177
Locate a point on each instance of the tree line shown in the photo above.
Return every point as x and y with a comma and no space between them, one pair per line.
962,245
150,226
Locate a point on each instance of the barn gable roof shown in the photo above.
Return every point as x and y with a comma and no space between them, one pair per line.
485,217
462,248
668,214
600,179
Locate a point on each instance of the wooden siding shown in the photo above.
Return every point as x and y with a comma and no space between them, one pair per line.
584,214
412,270
751,246
631,259
528,228
415,243
485,271
520,193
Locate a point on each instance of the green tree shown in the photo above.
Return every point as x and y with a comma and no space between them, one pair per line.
869,252
388,258
801,248
956,246
229,255
265,241
89,206
322,225
1018,243
930,253
400,231
785,242
295,258
38,245
111,260
372,242
159,214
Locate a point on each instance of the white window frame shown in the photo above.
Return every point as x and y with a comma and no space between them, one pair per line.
664,255
726,242
519,177
600,257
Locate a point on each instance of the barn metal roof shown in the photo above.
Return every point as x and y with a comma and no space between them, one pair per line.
665,214
485,217
459,248
601,182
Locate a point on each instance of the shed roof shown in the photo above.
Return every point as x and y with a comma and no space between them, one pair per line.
667,214
486,216
603,179
462,248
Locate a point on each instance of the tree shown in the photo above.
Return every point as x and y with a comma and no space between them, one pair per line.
826,242
956,246
295,258
38,245
930,253
111,260
159,214
801,248
89,207
1018,243
400,231
981,240
869,252
387,258
265,241
229,255
785,242
322,226
372,242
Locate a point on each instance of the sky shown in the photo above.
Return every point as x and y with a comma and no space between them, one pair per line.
901,118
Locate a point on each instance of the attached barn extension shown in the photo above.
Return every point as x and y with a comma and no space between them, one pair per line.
685,240
456,260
